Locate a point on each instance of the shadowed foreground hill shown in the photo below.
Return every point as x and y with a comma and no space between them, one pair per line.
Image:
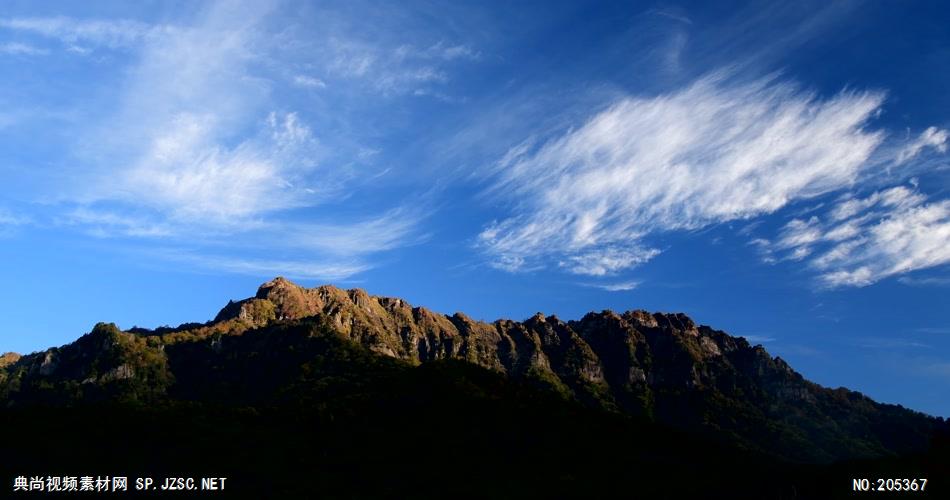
367,395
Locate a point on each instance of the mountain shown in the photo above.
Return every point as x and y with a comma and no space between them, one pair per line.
350,374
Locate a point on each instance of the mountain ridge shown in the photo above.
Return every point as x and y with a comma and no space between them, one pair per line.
658,366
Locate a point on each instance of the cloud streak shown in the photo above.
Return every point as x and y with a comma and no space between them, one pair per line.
620,286
10,219
861,241
931,138
309,82
709,153
406,69
112,34
9,222
21,49
263,267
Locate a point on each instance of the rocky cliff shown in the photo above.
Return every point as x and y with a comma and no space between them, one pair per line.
658,366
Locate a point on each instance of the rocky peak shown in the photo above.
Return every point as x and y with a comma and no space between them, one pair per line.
676,322
8,358
104,335
539,320
288,300
278,285
641,318
606,320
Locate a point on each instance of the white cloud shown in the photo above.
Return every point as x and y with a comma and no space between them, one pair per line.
376,234
117,33
350,58
604,261
186,173
334,250
673,14
511,263
405,69
898,197
621,286
890,343
299,269
194,136
107,224
199,154
309,81
932,137
10,219
864,240
935,329
440,50
21,49
906,239
925,281
799,233
455,52
9,222
292,269
709,153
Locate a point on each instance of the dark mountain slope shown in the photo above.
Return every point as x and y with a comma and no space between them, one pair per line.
325,381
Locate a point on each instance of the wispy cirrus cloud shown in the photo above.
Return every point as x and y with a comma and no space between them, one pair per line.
192,137
862,240
890,343
105,223
620,286
759,339
309,81
8,218
933,137
925,281
311,250
305,269
187,174
294,269
366,235
440,50
356,237
709,153
607,260
9,222
112,34
934,329
199,155
406,69
21,49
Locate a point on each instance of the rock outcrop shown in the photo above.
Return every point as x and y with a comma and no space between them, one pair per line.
8,358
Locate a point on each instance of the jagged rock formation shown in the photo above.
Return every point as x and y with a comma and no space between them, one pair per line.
659,366
8,358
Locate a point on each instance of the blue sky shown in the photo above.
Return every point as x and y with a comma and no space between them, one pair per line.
775,170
